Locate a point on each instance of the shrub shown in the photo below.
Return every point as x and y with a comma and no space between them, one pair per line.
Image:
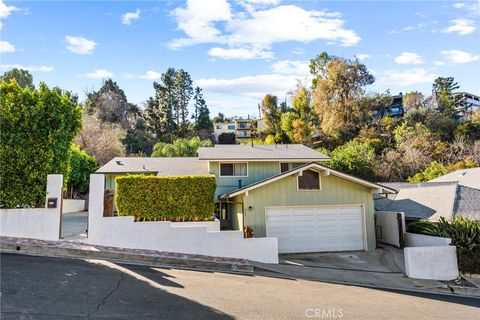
180,148
227,138
81,166
153,198
37,129
465,235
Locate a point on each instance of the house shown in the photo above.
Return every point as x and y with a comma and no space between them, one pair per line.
280,191
242,128
455,193
395,109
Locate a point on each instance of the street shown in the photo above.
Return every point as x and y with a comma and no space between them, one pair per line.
54,288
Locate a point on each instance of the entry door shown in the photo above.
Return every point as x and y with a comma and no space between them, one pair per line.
315,228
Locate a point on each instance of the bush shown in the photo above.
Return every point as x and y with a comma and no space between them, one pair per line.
81,166
153,198
465,235
37,129
227,138
180,148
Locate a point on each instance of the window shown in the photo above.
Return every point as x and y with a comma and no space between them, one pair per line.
219,126
233,169
309,180
230,127
285,166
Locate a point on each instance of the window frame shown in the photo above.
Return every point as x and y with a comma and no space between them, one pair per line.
310,190
288,162
231,162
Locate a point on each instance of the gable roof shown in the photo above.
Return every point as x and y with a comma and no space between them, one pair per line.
308,166
465,177
426,200
185,166
262,152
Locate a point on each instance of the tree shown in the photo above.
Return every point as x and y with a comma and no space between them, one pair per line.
202,114
103,140
37,128
340,100
22,77
354,157
184,90
413,100
180,148
81,166
220,118
110,104
271,114
447,103
139,140
161,110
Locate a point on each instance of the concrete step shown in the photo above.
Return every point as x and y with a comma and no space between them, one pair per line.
66,249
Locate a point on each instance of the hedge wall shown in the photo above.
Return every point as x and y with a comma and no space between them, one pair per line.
153,198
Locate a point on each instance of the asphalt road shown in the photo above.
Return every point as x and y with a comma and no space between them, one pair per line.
53,288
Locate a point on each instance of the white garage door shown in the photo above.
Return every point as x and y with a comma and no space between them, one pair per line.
315,229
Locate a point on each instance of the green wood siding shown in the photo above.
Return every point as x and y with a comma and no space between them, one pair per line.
256,171
334,191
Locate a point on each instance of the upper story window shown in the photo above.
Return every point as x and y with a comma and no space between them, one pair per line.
285,166
309,180
219,126
236,169
230,127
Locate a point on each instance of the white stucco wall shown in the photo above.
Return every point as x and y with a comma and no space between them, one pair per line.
37,223
202,238
388,223
434,263
73,205
420,240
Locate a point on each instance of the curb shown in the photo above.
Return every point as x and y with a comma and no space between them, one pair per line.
465,293
128,258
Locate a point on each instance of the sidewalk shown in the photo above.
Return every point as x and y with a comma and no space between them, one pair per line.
73,249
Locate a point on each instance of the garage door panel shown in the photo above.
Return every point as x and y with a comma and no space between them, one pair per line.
316,229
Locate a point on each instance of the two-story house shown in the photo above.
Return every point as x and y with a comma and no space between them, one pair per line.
242,128
281,191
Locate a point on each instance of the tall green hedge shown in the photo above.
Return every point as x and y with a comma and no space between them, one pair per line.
153,198
37,128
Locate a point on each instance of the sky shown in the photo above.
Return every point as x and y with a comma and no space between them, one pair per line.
238,51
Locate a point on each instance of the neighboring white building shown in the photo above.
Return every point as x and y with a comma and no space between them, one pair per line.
471,100
241,127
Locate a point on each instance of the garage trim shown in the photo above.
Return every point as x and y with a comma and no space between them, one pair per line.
362,216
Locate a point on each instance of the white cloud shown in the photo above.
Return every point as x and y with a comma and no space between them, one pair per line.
255,86
149,75
256,28
459,5
458,56
409,58
240,53
294,67
128,17
363,56
298,51
80,45
461,26
99,74
418,26
7,47
28,68
438,63
6,10
406,77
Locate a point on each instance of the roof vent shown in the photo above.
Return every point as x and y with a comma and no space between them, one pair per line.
119,163
144,168
462,173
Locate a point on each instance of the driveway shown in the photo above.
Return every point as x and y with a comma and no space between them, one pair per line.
74,226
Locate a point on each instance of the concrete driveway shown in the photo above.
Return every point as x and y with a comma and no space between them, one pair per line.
379,260
74,226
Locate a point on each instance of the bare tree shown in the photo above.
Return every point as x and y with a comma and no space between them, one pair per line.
102,140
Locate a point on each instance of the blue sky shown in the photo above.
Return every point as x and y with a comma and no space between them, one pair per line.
238,51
